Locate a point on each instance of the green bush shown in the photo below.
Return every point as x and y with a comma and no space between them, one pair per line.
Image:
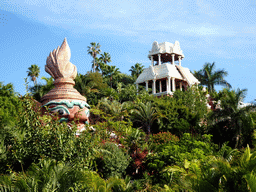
36,137
111,161
163,138
10,105
182,113
49,175
175,153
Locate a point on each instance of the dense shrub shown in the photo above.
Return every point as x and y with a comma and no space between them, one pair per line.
232,122
36,137
38,153
182,113
10,105
161,139
175,153
111,161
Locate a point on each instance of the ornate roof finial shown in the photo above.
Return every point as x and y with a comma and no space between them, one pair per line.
64,73
58,65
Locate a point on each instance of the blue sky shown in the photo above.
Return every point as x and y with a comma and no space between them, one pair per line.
208,31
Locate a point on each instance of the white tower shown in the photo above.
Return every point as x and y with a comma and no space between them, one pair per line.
164,76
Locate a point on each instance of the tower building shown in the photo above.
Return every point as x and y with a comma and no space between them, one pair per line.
165,74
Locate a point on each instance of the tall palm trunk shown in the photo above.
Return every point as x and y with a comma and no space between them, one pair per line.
93,64
238,135
34,80
149,131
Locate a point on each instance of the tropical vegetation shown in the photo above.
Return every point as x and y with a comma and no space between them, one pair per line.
209,77
133,143
136,70
94,50
33,73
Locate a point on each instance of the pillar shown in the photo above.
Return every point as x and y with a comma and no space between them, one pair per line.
154,86
146,85
169,84
160,86
137,88
173,84
180,85
173,58
179,60
152,61
159,59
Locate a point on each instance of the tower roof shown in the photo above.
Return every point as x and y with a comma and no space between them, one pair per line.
165,48
165,54
167,70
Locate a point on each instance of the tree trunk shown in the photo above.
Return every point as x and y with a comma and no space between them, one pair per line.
238,137
34,80
148,127
93,65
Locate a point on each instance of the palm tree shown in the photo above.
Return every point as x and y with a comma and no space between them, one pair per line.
116,109
104,69
251,181
145,114
209,77
96,183
235,174
111,72
97,63
128,93
82,84
48,86
110,93
48,176
33,73
231,113
105,57
89,83
136,70
39,90
94,50
219,173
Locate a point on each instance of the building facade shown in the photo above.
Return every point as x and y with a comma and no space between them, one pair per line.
165,74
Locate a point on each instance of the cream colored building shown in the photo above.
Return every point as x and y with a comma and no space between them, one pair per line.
165,74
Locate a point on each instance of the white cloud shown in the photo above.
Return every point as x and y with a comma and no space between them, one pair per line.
141,21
